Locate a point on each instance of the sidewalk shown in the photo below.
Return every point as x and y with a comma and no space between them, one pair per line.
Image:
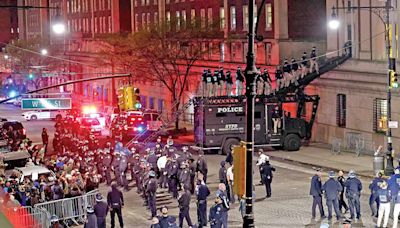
317,156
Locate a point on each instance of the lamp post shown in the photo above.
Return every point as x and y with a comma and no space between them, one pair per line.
377,10
250,75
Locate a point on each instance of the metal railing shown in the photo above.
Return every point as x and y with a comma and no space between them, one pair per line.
70,208
352,142
28,217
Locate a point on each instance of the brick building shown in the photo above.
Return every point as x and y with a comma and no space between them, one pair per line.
8,22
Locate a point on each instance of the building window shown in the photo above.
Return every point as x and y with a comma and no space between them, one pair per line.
233,18
184,18
155,2
178,20
268,53
143,2
268,17
222,52
143,20
349,6
136,22
143,101
380,115
167,2
209,17
148,20
349,32
155,18
245,17
192,15
203,17
341,110
109,24
136,2
168,16
222,18
151,102
160,105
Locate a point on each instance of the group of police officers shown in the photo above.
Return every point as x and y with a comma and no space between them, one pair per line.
219,83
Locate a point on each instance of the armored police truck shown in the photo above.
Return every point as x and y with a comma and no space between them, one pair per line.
220,122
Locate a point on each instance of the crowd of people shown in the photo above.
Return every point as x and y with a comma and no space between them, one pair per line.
220,83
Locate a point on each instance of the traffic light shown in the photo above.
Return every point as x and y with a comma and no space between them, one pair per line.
129,93
31,76
136,99
393,79
239,171
121,98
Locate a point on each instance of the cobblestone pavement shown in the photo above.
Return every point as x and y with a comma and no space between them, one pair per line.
290,205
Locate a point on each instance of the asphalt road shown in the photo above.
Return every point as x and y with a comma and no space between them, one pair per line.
290,205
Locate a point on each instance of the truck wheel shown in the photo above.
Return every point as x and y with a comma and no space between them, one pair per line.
292,142
228,145
33,117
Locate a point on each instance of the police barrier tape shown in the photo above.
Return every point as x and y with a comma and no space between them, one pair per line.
27,217
70,208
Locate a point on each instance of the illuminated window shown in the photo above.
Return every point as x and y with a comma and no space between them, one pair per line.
380,115
178,20
209,17
192,15
155,18
183,18
222,18
233,18
245,17
143,20
136,22
168,17
341,110
203,17
268,17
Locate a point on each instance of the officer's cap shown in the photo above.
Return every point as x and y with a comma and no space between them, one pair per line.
99,197
54,218
152,174
352,173
331,174
383,185
90,209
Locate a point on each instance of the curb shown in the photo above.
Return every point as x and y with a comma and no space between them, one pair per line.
310,165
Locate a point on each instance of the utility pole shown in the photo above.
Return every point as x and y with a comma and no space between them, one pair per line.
250,75
389,156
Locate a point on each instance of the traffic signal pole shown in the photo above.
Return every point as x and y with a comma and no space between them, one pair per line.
250,75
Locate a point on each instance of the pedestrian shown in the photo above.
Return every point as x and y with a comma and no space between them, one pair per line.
215,83
215,216
100,210
384,206
209,83
223,195
239,81
45,139
151,193
316,193
303,65
91,220
267,82
184,202
115,200
202,193
202,166
221,81
266,170
353,191
279,83
229,178
342,203
332,189
165,220
261,160
229,83
313,61
374,186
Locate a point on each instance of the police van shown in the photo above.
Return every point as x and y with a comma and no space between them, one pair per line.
220,122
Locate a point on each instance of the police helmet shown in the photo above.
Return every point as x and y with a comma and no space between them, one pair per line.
331,174
99,197
397,170
352,173
90,209
54,219
152,174
383,185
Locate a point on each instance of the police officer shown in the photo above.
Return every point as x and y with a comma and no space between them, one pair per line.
184,202
353,191
115,200
165,220
316,193
239,81
184,177
115,167
161,164
374,186
332,189
229,83
295,67
202,166
172,173
202,193
267,81
100,210
384,197
266,170
222,175
313,61
107,167
303,65
151,193
222,194
342,203
215,216
192,172
221,81
203,90
209,83
279,78
215,83
123,168
91,220
287,77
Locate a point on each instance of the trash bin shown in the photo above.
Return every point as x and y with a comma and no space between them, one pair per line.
378,163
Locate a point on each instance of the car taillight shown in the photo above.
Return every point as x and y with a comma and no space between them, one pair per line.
140,119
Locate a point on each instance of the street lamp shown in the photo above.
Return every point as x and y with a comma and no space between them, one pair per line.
377,10
6,56
44,51
58,28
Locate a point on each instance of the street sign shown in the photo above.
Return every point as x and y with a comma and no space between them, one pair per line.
46,103
393,124
49,74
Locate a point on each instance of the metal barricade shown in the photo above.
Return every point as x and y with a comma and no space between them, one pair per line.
28,217
336,145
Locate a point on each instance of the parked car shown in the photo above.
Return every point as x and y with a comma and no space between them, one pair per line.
33,172
44,114
90,125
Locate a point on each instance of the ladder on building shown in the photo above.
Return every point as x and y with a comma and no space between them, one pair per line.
165,123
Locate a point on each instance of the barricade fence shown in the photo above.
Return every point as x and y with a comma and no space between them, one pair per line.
27,217
353,143
73,209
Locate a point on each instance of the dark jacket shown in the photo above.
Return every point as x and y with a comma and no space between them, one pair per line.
316,186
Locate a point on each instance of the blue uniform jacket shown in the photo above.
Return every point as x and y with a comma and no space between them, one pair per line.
374,185
384,196
394,183
353,187
316,186
332,189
